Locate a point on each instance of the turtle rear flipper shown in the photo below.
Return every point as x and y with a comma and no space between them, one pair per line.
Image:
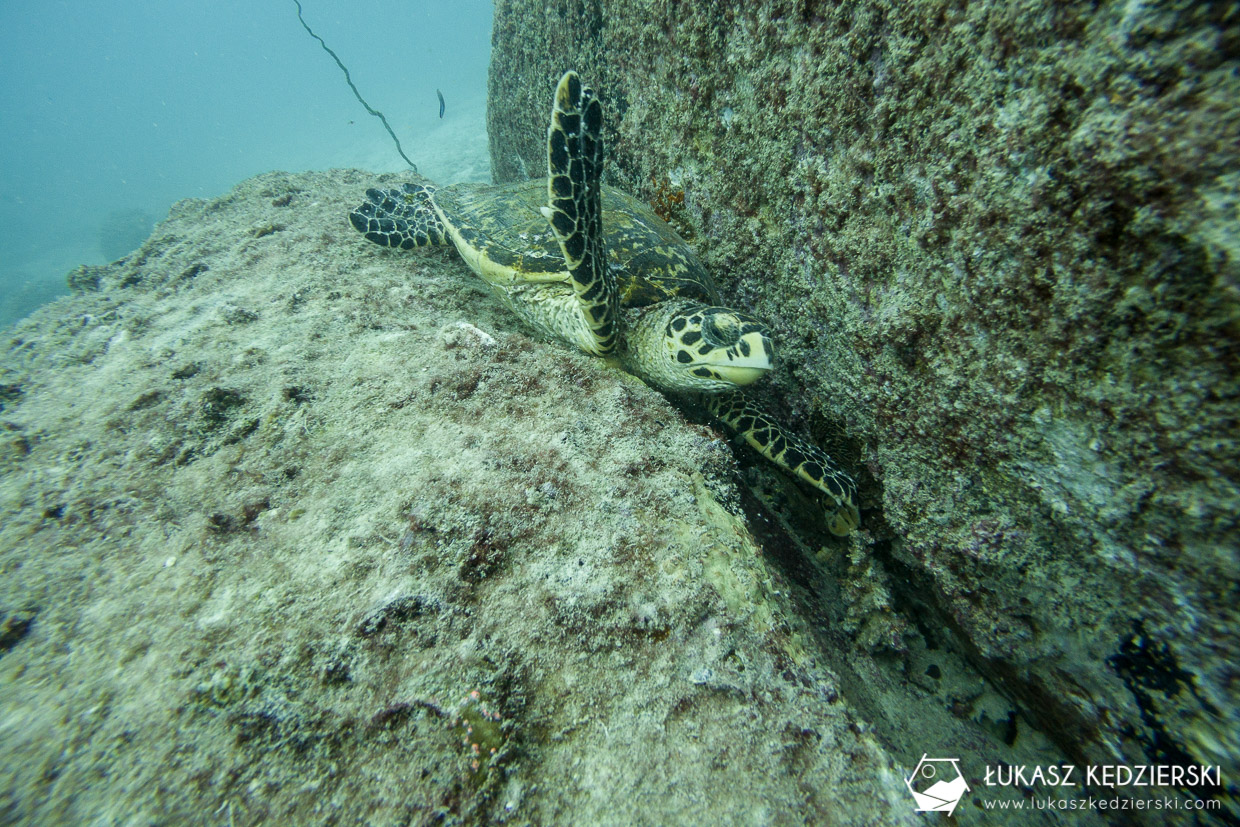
574,194
801,459
402,218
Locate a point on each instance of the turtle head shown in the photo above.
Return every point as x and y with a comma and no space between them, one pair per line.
686,346
718,344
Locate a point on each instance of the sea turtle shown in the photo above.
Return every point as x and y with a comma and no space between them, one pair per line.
596,268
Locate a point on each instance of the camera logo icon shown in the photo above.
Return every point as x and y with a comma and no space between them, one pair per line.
937,784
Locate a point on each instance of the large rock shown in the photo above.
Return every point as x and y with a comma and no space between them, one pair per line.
297,530
999,246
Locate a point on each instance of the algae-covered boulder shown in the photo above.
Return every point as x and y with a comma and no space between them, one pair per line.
999,245
296,530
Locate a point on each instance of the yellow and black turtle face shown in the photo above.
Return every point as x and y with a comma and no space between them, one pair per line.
716,347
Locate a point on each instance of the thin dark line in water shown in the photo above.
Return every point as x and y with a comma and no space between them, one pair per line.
440,94
349,79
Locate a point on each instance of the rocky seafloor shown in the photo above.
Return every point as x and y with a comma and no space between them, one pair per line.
1000,247
298,530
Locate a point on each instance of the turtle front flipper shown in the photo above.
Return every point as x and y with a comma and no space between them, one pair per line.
402,218
574,194
799,458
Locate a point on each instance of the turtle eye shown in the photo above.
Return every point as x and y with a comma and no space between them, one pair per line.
721,329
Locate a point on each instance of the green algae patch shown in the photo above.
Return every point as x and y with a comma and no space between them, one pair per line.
725,543
481,729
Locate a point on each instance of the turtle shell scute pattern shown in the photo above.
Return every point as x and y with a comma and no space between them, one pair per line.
503,223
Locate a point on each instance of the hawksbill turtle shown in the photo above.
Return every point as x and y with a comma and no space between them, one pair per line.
594,267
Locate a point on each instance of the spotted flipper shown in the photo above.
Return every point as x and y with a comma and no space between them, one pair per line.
402,218
799,458
574,193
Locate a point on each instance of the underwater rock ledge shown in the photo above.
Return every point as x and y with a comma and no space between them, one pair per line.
999,248
296,528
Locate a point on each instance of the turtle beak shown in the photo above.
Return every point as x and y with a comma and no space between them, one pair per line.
747,361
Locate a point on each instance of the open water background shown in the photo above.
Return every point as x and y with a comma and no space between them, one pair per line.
113,111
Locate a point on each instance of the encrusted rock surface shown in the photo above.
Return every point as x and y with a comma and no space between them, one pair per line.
1000,247
296,530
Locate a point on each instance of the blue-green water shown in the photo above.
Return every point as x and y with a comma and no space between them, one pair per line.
114,111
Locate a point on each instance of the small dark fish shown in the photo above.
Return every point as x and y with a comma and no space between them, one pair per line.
440,94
